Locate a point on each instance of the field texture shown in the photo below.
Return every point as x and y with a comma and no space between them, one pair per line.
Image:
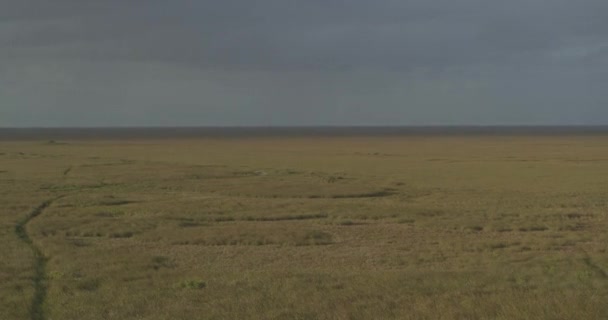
468,227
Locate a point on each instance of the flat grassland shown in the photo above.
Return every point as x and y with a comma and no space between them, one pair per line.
410,227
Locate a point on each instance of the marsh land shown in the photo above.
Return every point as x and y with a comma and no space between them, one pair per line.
416,226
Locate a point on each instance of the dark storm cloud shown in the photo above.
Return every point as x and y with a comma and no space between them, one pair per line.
412,60
304,34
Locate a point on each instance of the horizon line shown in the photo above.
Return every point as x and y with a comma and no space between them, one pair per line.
310,126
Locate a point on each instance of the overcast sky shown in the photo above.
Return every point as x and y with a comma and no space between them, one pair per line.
303,62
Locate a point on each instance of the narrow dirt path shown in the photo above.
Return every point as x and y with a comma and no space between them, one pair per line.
40,278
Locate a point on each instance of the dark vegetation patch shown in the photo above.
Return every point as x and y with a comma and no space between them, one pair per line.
376,194
115,202
75,187
79,243
191,224
378,154
406,221
19,207
249,173
330,178
108,164
159,262
499,245
192,284
573,227
55,143
225,174
314,238
288,217
568,243
533,228
444,160
333,179
350,223
198,166
124,234
576,215
474,228
92,234
597,269
88,285
135,278
295,238
46,233
430,213
109,214
502,245
375,217
67,171
223,219
84,234
246,240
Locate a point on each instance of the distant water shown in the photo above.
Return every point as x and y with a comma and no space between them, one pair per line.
244,132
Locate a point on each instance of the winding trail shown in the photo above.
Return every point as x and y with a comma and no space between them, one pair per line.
40,278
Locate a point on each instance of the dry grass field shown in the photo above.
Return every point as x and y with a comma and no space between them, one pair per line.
411,227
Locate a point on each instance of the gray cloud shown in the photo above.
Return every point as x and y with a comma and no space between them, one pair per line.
189,62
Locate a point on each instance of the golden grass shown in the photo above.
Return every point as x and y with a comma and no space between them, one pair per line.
473,227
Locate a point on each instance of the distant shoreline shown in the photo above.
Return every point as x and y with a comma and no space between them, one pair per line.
111,133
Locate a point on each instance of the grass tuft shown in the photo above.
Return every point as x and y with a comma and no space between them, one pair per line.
192,284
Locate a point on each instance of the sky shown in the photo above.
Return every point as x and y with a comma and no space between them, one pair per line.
303,62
